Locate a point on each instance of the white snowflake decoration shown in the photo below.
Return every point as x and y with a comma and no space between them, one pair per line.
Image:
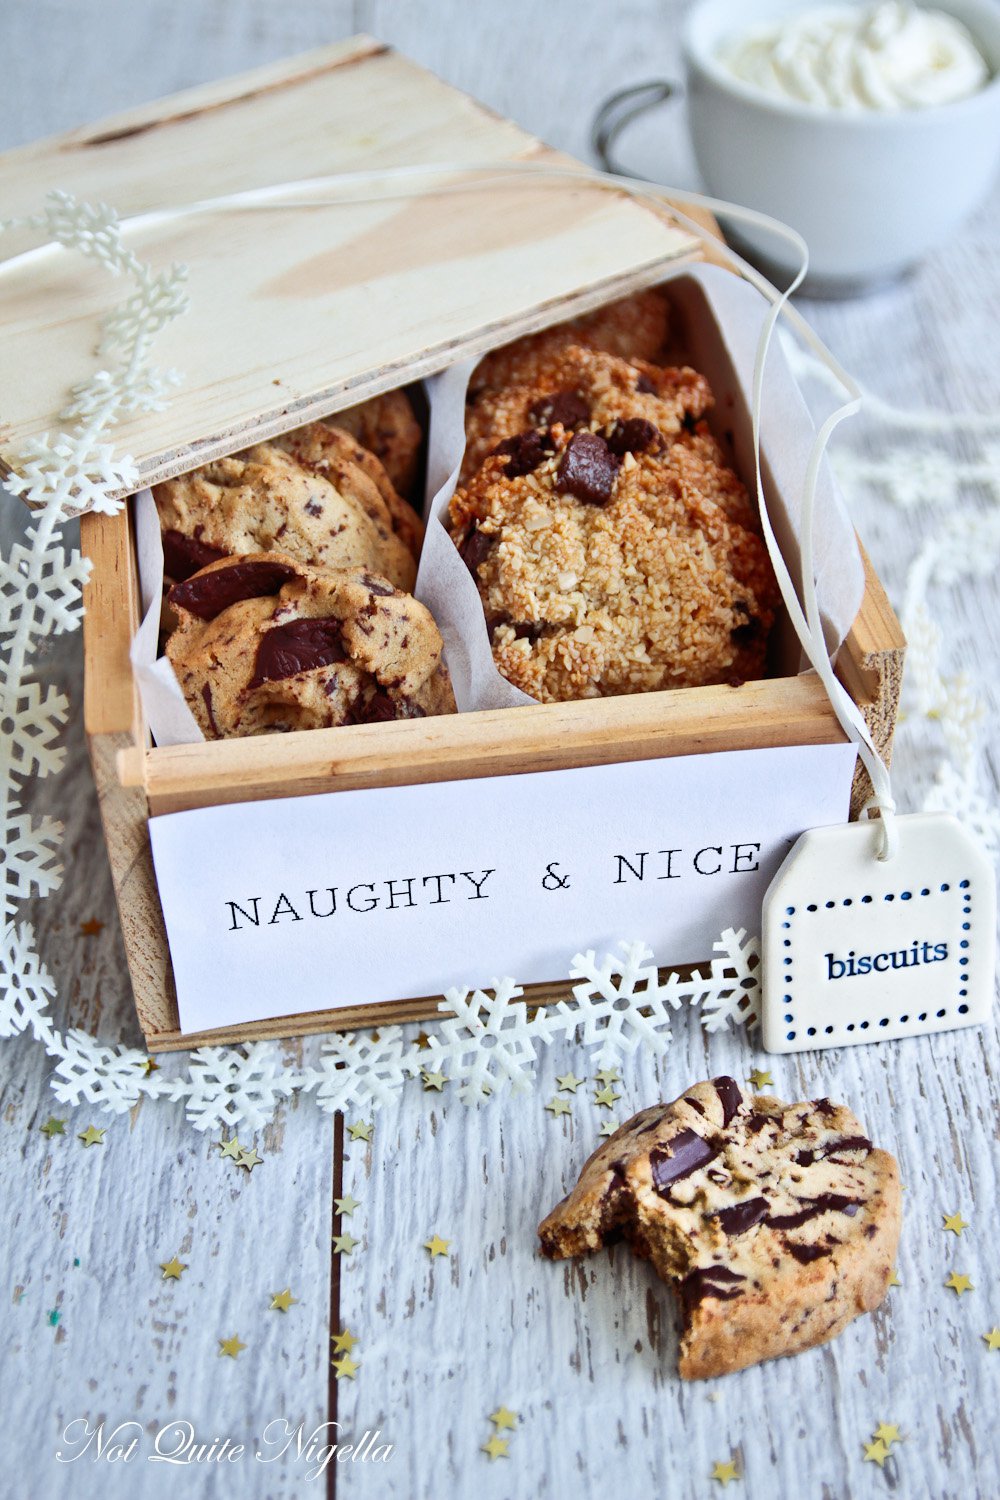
358,1070
620,1003
89,1072
226,1087
489,1040
732,992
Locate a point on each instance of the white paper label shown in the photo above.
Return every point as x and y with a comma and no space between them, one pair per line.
346,898
858,949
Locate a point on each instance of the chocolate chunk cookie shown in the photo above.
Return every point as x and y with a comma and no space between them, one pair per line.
386,426
636,327
610,562
331,514
266,644
775,1224
577,389
330,451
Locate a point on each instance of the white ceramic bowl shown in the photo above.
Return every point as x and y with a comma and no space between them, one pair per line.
870,193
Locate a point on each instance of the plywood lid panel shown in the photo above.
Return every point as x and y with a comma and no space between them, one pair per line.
297,311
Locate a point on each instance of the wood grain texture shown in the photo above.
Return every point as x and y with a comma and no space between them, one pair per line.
295,311
442,1345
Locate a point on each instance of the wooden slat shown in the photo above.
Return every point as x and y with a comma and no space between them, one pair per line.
111,703
499,742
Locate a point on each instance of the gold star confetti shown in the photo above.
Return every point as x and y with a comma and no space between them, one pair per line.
361,1131
760,1079
436,1245
608,1128
150,1066
231,1147
345,1367
343,1244
954,1222
346,1206
91,1136
992,1339
607,1097
91,928
249,1159
608,1075
959,1283
894,1278
231,1346
423,1041
887,1433
344,1342
724,1472
282,1301
172,1269
503,1419
433,1080
876,1452
568,1083
53,1127
496,1447
557,1107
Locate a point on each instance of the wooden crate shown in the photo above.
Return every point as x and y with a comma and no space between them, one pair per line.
232,396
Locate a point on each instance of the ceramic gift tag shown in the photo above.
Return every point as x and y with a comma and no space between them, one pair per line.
860,949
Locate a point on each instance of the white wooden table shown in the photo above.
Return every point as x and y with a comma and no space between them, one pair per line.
585,1352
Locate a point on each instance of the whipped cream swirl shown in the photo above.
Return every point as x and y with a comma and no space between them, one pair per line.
853,58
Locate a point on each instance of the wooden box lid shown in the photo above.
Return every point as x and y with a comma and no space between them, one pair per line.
297,311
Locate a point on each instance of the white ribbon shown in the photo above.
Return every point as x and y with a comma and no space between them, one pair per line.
804,615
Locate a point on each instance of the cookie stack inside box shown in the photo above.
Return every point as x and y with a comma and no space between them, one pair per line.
614,550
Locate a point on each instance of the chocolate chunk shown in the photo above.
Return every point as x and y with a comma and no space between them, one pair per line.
697,1106
475,549
184,555
847,1143
709,1281
687,1152
806,1253
208,594
633,436
206,694
805,1158
568,408
588,469
299,646
825,1203
742,1216
313,508
756,1122
524,452
823,1106
380,586
729,1096
644,385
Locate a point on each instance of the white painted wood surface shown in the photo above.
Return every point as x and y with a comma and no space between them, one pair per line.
584,1352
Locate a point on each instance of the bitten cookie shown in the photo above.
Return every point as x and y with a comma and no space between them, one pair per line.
579,389
776,1224
265,644
386,426
636,327
615,562
329,515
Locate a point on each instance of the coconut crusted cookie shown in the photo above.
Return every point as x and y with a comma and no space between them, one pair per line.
635,327
386,426
580,389
266,644
614,562
333,514
776,1224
